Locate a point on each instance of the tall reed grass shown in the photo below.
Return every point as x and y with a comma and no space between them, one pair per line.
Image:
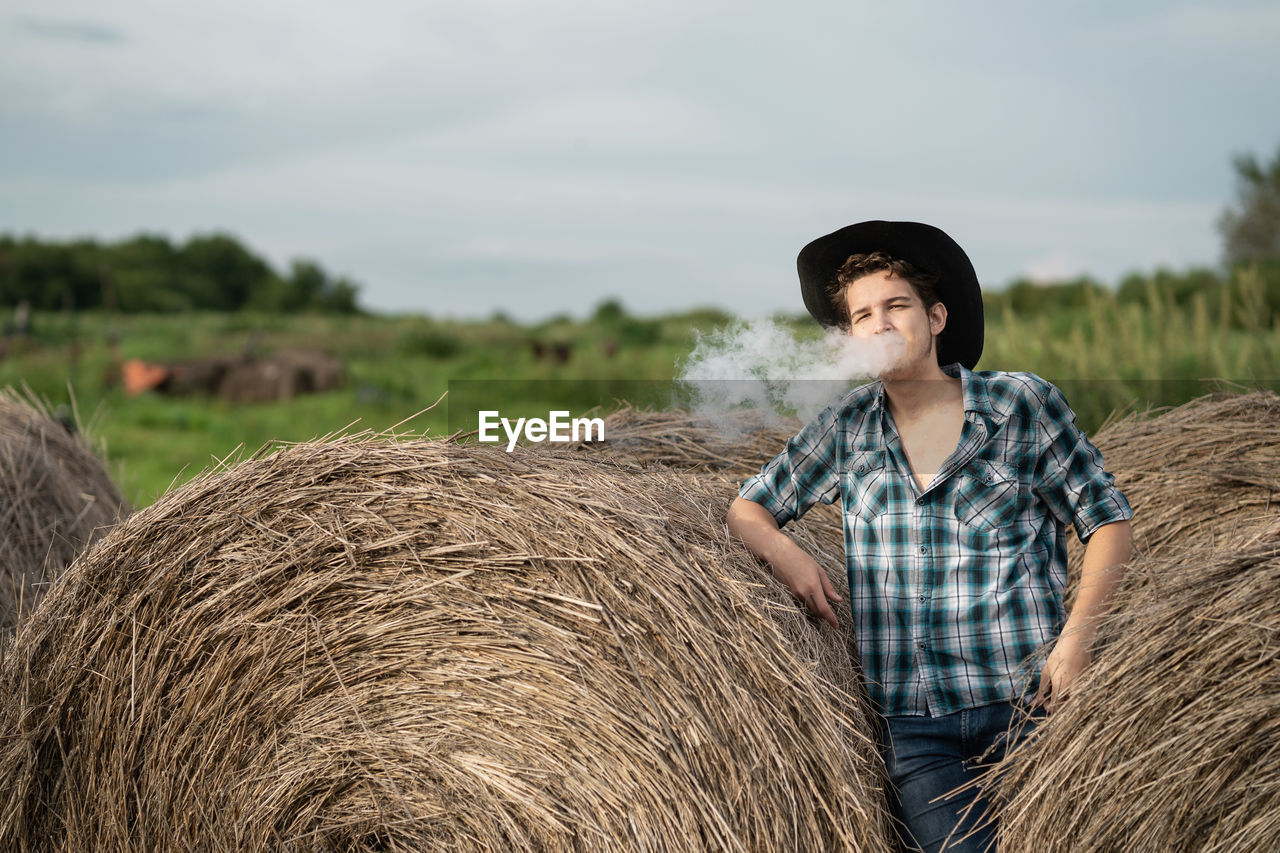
1115,355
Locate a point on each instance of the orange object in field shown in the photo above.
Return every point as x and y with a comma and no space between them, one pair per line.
141,376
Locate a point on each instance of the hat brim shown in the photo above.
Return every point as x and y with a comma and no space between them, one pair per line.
925,247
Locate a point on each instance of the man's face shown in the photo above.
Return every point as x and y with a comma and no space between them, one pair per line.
881,304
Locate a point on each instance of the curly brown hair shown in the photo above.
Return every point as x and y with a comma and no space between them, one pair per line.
923,282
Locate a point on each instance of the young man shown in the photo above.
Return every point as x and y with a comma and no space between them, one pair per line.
956,489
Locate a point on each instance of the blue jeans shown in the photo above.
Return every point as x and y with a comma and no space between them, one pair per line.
927,757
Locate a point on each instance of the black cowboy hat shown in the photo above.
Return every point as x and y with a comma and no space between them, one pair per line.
926,248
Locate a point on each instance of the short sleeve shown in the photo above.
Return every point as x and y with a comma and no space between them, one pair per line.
804,473
1070,477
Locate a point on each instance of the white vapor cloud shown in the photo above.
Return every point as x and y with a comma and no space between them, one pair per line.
763,365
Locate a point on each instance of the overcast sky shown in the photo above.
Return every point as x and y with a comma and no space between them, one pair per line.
537,157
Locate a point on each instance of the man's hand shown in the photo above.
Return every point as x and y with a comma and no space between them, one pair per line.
1070,655
799,572
1100,572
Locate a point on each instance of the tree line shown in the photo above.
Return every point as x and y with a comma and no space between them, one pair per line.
149,273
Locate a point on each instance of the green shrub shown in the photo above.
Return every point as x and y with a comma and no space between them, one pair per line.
430,340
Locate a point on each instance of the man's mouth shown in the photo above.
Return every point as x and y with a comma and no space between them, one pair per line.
873,356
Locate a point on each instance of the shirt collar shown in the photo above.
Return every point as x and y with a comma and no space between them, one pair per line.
976,398
877,401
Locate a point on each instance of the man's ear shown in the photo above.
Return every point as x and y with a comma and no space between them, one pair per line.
937,318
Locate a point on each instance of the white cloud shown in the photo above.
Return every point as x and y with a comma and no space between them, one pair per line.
1053,267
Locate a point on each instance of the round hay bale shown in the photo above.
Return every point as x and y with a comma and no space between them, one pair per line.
255,380
1171,738
731,447
55,499
1204,471
281,376
316,371
727,450
196,376
371,645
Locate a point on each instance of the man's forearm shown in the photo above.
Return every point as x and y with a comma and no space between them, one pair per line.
757,527
1109,548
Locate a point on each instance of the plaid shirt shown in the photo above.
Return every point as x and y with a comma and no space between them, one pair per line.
953,587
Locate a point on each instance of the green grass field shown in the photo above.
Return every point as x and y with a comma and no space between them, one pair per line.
1107,356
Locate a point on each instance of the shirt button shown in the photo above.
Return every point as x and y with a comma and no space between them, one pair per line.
922,645
924,549
922,596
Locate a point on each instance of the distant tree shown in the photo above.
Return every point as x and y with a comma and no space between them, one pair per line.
1251,230
341,298
609,311
1030,297
1180,287
308,288
221,274
612,319
51,276
307,284
148,273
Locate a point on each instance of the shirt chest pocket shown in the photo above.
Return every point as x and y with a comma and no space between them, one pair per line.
987,496
867,483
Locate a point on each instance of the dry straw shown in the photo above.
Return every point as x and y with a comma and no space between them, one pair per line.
1171,738
725,449
1202,472
735,443
55,499
368,645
